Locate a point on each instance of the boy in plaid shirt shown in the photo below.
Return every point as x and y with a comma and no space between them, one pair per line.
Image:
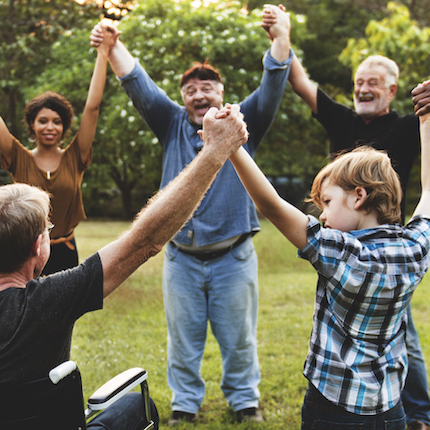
368,267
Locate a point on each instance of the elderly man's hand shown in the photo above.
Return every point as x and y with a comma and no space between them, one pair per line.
104,27
224,132
275,21
421,98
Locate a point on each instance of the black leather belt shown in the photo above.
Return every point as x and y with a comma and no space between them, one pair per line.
211,255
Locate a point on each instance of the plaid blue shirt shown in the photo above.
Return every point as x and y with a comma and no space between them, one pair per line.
357,352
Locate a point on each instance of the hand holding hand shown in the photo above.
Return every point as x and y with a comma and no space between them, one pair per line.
421,98
275,21
104,30
224,131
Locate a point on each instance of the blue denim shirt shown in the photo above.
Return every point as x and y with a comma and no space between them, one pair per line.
227,209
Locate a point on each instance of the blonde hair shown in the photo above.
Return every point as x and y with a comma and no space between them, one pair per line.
368,168
24,212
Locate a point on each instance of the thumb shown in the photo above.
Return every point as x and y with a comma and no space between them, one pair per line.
210,114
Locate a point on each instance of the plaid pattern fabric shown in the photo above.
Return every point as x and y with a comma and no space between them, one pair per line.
357,353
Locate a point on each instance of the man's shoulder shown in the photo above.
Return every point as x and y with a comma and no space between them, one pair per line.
326,103
409,118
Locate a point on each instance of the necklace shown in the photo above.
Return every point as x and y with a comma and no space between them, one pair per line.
48,174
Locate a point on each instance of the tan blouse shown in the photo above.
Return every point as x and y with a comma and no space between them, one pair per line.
64,184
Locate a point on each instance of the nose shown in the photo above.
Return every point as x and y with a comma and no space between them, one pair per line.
323,217
365,88
198,95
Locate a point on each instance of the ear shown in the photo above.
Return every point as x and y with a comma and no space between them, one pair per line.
360,195
392,91
37,246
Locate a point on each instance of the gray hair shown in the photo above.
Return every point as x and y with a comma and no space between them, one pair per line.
24,212
390,66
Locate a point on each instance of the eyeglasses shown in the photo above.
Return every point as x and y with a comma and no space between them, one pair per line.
49,227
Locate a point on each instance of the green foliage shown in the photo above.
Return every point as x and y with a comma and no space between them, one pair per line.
28,29
168,37
45,45
401,39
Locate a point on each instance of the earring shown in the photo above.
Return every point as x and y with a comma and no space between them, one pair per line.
32,139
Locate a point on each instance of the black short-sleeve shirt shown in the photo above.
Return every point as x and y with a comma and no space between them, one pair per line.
397,135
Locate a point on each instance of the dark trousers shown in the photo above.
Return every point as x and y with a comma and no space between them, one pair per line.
320,414
61,258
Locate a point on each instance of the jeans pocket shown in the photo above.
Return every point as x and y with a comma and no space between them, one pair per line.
397,424
330,425
244,251
170,251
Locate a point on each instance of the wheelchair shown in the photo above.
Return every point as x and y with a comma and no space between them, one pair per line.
57,403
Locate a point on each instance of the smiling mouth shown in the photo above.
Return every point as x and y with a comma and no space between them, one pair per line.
201,109
365,98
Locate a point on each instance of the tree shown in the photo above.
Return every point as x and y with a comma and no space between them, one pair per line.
168,37
330,24
401,39
29,27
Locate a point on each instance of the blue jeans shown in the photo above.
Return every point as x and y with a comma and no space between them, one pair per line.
320,414
125,414
415,394
225,292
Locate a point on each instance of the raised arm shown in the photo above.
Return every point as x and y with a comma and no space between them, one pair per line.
88,125
289,220
423,207
302,85
5,141
174,204
120,59
276,22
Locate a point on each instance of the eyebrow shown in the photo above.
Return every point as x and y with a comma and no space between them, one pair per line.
204,85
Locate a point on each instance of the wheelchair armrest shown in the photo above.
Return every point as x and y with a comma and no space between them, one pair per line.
115,388
61,371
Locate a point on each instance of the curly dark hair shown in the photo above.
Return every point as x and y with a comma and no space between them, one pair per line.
53,101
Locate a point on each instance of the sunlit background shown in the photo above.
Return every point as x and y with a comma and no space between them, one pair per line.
114,9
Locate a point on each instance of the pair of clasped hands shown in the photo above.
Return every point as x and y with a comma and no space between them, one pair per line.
224,129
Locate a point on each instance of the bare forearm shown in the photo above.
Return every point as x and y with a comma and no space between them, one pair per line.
302,85
5,140
280,49
98,82
265,197
425,151
290,221
120,59
170,208
423,206
158,222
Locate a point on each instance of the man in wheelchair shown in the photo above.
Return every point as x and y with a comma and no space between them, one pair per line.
37,314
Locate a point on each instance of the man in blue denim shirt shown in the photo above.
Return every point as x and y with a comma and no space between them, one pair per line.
210,266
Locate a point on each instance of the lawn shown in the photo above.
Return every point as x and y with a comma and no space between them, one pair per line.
131,331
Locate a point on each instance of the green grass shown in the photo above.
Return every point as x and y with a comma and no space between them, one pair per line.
131,331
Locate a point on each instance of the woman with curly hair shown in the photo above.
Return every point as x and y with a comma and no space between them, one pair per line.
54,169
